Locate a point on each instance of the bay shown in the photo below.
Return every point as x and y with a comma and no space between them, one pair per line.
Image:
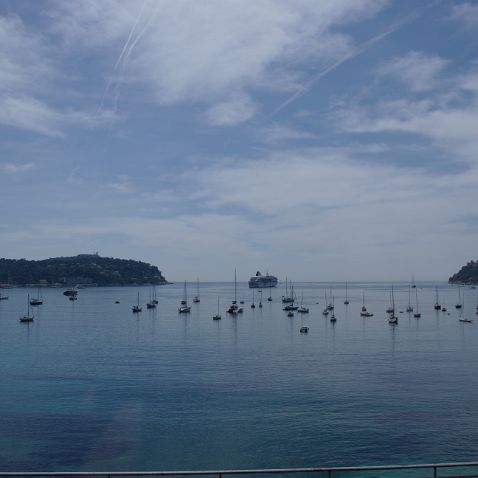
89,385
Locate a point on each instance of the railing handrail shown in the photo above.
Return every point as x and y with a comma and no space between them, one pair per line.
433,466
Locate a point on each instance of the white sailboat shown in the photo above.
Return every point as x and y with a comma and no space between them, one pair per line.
364,312
38,300
27,317
152,303
464,318
392,318
233,308
136,308
155,299
302,309
417,314
184,307
286,299
197,297
217,316
409,307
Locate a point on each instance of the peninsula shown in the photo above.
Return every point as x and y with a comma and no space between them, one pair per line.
83,269
468,274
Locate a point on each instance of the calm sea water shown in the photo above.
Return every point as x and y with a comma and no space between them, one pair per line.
90,386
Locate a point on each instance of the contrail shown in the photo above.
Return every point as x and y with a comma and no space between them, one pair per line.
361,49
125,52
133,28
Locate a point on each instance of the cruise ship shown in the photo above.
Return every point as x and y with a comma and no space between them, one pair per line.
259,281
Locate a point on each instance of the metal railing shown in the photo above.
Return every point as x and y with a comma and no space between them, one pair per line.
329,471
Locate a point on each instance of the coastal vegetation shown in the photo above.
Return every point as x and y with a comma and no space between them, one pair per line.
468,274
85,269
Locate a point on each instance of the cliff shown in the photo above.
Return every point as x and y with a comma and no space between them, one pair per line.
87,269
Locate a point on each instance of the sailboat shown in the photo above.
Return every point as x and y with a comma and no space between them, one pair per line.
364,312
392,318
269,299
458,304
184,307
413,282
233,308
155,299
326,310
27,317
417,314
346,301
390,308
333,319
302,309
151,304
409,307
38,300
290,303
217,316
196,297
286,299
437,305
253,305
260,300
136,308
464,318
3,297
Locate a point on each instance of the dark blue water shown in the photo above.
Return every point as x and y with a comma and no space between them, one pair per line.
90,386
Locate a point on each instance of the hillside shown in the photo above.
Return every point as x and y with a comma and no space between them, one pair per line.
87,269
468,274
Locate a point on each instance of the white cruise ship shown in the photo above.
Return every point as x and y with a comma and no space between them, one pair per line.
261,282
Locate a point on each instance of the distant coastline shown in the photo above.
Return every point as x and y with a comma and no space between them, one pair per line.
83,270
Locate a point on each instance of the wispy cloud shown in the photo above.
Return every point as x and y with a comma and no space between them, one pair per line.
14,168
467,13
201,51
237,109
417,70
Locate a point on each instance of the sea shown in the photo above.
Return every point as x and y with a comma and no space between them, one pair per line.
91,386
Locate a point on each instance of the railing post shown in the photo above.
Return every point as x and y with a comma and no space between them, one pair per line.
434,472
329,473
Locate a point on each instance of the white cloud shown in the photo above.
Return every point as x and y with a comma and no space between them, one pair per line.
122,184
417,70
449,120
311,214
201,51
14,168
467,13
282,132
30,114
28,84
236,110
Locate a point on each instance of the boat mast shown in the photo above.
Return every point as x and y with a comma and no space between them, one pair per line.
235,286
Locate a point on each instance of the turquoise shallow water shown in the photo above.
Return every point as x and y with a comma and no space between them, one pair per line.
89,385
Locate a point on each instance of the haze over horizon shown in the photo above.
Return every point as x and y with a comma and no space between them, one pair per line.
323,141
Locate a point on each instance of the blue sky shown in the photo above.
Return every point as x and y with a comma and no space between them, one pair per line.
322,140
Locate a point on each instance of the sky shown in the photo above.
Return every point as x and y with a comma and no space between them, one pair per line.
320,140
